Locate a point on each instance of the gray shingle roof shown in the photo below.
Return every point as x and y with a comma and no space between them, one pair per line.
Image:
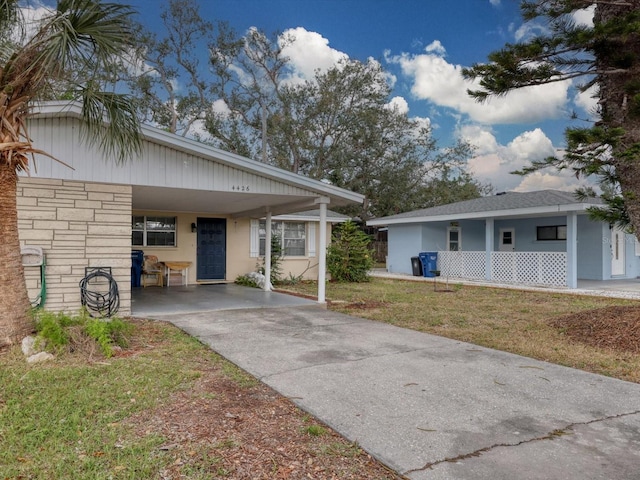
494,203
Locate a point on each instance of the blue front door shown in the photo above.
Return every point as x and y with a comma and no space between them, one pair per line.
212,248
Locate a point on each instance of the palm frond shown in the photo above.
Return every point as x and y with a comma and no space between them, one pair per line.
74,45
110,121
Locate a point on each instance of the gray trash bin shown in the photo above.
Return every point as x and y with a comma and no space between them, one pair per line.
416,266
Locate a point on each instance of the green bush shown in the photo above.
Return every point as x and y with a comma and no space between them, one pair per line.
58,330
108,332
349,257
276,260
53,328
245,281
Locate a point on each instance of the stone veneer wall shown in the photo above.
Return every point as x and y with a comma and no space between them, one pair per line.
78,225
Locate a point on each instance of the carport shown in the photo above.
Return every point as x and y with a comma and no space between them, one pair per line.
210,209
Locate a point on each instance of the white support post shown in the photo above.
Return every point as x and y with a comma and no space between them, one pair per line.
572,250
322,250
267,254
489,233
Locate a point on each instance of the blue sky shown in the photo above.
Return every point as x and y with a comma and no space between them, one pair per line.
424,44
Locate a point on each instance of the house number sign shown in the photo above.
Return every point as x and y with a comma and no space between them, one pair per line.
240,188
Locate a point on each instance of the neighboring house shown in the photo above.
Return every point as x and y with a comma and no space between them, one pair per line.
181,200
537,238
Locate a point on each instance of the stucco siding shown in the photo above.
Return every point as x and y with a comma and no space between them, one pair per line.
632,259
405,241
472,235
594,257
238,247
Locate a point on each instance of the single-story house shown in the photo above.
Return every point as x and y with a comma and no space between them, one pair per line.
181,200
535,238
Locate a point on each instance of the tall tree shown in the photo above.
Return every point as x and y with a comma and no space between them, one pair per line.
66,53
337,126
166,74
606,55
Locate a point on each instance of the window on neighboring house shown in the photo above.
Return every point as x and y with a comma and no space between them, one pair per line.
147,231
453,239
553,232
292,236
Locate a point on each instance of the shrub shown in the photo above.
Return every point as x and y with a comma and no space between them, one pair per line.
53,328
108,333
349,257
58,330
245,281
276,260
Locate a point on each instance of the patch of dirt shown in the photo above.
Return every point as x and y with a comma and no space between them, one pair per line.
359,305
222,429
370,304
616,328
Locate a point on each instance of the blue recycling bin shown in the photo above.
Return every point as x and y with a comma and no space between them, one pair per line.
137,257
429,262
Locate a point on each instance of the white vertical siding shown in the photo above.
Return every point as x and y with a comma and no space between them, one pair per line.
158,165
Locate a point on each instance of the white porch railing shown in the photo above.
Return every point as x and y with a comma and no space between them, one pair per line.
530,268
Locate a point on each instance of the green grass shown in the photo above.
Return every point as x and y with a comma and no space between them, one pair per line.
515,321
64,421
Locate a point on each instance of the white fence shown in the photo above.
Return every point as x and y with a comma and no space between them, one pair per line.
530,268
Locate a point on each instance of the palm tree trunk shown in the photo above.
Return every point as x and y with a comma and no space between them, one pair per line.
15,321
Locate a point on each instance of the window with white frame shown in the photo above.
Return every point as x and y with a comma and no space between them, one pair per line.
454,239
153,231
292,235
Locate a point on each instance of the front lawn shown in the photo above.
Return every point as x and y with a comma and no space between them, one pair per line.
165,407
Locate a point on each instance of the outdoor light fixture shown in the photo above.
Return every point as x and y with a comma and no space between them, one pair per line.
194,228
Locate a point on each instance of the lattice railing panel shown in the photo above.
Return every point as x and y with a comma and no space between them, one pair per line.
529,268
553,269
462,264
534,268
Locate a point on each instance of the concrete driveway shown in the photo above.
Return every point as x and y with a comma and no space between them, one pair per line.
430,407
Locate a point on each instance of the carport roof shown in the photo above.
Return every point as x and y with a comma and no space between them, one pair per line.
509,204
188,198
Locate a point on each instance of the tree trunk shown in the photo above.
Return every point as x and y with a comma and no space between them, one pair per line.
618,105
15,321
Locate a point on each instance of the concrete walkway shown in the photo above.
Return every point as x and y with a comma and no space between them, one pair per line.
430,407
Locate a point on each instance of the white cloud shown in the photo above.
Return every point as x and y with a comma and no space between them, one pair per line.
494,162
495,3
436,48
587,102
400,104
584,16
480,137
547,181
529,30
422,122
441,83
308,52
33,15
221,107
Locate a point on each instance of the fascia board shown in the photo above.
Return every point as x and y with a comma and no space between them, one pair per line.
520,212
299,218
